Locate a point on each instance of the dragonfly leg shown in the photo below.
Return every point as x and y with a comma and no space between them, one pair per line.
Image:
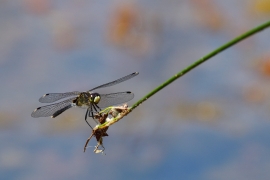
91,111
86,114
86,118
98,107
93,106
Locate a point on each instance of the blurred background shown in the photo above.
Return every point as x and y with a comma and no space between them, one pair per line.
213,123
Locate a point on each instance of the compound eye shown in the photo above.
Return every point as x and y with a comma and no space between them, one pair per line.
97,99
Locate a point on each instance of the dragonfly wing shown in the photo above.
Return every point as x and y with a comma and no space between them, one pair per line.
57,113
52,97
53,110
114,98
116,81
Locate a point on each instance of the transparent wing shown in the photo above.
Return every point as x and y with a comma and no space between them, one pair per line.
53,109
116,81
52,97
114,98
60,111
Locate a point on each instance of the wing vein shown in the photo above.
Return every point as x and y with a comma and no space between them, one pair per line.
53,109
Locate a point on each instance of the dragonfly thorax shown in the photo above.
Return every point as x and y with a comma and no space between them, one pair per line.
85,99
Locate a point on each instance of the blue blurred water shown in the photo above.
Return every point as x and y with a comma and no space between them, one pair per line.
213,123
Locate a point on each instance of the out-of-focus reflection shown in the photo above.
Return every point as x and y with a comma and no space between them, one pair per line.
131,27
208,14
38,7
259,7
202,111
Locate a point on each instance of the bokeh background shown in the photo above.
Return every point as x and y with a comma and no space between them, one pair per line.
213,123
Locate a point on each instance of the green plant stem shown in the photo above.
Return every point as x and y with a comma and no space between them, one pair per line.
189,68
200,61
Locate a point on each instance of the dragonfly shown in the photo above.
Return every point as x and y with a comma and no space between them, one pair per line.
90,100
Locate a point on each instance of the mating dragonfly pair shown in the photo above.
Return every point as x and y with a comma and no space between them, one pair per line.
90,100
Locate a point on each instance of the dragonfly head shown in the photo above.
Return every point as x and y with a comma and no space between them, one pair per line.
94,98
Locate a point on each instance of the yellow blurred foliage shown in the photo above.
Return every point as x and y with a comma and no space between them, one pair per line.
131,27
264,65
260,6
202,111
254,94
123,22
208,14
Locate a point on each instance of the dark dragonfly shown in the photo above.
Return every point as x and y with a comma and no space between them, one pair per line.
92,101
